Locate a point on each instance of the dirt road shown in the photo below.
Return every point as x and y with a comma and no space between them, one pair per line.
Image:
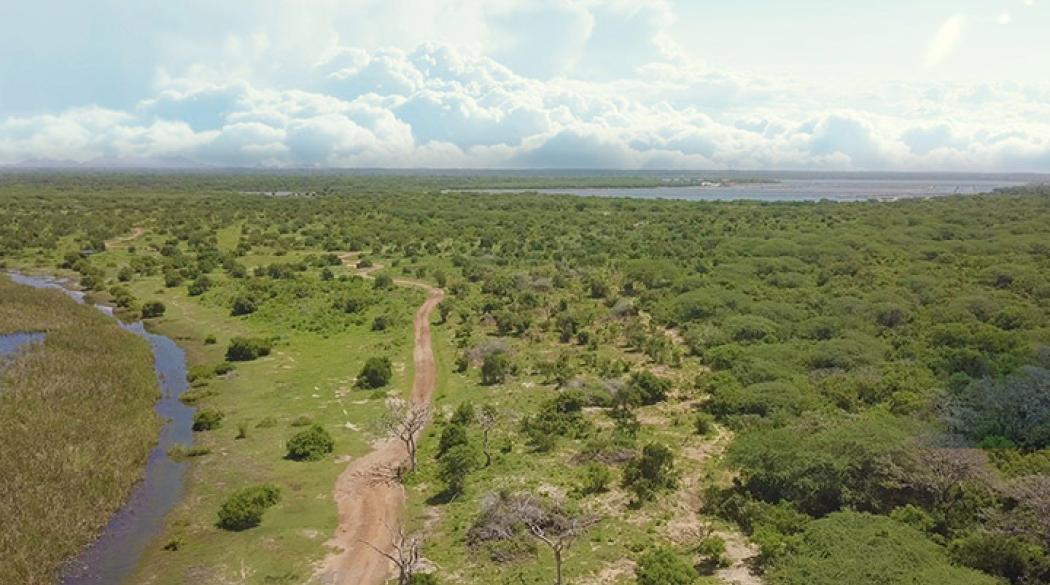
366,510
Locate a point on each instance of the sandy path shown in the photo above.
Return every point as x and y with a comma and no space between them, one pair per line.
136,233
365,509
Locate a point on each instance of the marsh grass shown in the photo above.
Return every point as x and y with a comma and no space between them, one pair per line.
76,427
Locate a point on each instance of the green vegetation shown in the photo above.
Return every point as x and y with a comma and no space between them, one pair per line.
310,445
244,508
243,349
857,389
376,373
74,430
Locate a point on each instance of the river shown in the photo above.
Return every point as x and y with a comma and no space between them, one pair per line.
116,552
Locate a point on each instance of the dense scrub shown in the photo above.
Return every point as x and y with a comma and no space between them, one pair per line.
57,489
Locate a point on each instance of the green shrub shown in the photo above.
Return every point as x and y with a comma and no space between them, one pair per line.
152,309
208,419
850,547
453,435
646,388
455,466
596,479
1004,555
243,306
243,349
651,472
495,368
199,286
311,444
561,416
244,508
662,566
704,424
376,373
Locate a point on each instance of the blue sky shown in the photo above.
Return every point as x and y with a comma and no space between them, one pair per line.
748,84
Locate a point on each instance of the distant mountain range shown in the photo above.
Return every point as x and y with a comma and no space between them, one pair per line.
104,163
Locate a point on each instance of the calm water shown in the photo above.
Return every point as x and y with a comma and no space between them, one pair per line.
840,189
114,555
12,342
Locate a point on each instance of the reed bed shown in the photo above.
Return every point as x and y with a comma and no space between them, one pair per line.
76,427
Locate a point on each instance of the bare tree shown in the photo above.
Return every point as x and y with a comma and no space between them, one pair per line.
406,552
554,525
487,418
404,422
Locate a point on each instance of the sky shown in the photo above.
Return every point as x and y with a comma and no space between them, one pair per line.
618,84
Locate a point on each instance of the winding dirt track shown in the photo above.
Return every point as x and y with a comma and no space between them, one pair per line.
367,510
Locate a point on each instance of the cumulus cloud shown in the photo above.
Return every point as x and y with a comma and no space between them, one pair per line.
551,83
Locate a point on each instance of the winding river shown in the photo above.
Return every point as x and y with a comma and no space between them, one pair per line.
115,553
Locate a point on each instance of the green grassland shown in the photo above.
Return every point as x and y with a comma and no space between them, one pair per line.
858,368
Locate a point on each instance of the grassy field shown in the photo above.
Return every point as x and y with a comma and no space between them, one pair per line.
309,375
89,378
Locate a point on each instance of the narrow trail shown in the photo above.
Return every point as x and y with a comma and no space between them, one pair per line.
367,509
121,241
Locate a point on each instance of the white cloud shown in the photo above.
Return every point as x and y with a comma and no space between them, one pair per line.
945,40
551,83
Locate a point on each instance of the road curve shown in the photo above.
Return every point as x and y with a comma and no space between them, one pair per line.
367,509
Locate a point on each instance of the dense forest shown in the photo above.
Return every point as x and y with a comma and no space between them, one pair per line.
868,383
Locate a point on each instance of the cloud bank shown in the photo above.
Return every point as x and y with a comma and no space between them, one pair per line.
545,84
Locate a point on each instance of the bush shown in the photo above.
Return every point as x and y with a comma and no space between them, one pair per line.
704,424
455,465
208,419
243,306
850,547
651,472
423,579
662,566
310,445
1003,555
561,416
822,465
199,286
381,323
243,349
646,388
596,479
244,508
376,373
210,339
152,309
383,282
453,435
495,368
1016,408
